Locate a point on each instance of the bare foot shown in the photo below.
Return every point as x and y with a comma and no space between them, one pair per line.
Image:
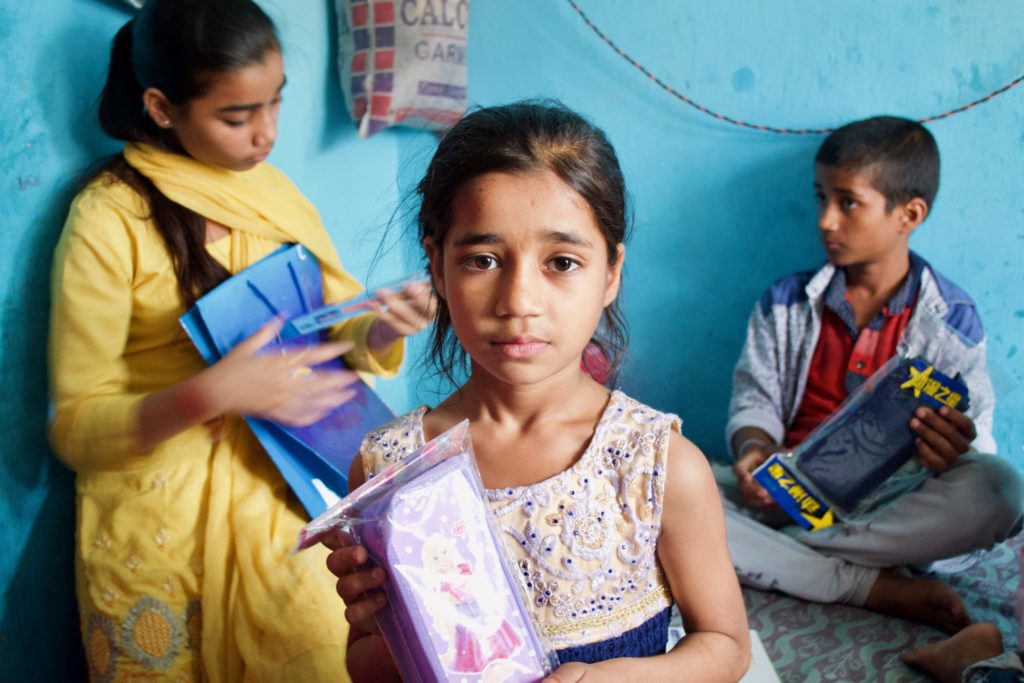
946,660
929,601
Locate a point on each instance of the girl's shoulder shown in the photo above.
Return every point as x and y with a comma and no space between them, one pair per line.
625,410
108,192
106,201
108,224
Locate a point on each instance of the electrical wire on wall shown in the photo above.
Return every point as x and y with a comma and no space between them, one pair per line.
757,126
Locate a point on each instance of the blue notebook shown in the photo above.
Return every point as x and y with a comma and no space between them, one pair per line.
872,438
868,439
314,459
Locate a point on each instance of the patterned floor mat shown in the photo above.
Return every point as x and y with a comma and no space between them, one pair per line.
813,642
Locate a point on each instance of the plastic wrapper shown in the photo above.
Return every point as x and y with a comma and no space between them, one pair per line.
330,315
455,607
863,454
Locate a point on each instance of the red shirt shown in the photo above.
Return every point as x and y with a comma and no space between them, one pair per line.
844,357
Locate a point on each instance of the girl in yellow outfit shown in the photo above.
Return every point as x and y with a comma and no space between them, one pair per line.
184,524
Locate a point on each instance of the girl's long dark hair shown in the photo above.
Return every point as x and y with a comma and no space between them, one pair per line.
520,138
178,47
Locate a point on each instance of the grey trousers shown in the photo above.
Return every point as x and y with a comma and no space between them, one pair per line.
973,505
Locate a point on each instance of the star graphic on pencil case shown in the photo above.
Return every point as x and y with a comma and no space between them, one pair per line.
918,380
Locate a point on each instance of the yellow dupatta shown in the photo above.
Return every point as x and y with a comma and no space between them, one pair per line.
263,201
266,616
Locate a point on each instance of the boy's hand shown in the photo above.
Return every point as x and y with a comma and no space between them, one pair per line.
358,587
754,495
943,436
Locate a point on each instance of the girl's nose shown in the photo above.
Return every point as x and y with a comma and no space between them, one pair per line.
265,131
520,292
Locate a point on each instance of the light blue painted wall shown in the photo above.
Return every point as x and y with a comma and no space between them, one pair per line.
720,211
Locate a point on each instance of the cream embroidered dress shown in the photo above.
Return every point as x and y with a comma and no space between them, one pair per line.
182,552
584,539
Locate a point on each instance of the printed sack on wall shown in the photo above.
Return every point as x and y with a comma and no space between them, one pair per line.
403,62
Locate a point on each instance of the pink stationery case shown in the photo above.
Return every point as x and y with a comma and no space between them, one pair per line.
455,603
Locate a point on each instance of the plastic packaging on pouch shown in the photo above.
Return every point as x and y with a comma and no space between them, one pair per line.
864,449
455,608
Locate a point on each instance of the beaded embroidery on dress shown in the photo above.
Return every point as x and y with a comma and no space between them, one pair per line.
585,538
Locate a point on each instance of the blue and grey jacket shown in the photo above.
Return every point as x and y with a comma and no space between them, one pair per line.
782,333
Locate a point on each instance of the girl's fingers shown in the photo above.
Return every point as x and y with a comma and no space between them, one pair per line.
346,556
321,382
326,351
352,587
414,307
421,298
261,338
361,613
399,310
337,539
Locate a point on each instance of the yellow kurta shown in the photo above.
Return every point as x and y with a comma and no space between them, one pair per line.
182,552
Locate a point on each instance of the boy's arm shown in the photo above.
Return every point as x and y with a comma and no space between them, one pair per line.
956,344
755,407
983,399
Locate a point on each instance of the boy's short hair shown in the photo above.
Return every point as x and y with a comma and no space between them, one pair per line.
901,154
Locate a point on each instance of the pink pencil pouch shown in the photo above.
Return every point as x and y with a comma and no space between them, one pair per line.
455,607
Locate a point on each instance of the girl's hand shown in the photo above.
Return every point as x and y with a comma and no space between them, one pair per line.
275,386
943,436
402,314
358,587
573,672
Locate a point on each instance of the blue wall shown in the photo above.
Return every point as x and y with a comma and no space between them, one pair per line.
720,211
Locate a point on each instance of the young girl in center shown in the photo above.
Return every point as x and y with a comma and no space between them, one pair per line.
184,524
610,512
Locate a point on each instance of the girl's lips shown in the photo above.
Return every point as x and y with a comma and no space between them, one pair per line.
520,348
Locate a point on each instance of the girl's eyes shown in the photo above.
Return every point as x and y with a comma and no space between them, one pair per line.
564,264
480,262
484,262
235,123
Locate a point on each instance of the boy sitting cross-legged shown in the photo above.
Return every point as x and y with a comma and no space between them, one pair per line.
816,336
